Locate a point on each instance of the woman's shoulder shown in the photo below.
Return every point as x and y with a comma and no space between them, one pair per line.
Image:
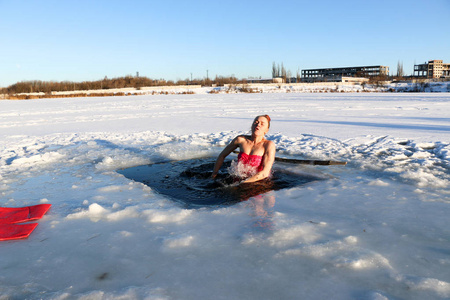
269,146
241,138
268,143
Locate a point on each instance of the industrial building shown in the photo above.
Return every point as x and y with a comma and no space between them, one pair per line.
336,74
432,69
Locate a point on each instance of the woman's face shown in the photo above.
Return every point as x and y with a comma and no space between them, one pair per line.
260,126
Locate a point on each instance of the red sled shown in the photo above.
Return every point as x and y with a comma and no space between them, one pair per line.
16,231
10,215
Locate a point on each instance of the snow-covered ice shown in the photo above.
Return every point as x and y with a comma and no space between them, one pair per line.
377,228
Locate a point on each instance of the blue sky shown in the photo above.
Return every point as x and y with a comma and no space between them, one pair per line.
88,40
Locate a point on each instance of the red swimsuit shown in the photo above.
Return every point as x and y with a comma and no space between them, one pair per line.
251,160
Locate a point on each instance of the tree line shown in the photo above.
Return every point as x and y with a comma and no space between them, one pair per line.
39,86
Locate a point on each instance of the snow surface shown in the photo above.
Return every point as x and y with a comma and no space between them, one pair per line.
377,228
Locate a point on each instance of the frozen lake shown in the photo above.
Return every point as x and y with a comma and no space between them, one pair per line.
377,228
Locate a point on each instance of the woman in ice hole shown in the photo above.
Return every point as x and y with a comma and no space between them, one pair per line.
256,154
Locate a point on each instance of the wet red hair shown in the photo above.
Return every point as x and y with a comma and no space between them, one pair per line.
267,117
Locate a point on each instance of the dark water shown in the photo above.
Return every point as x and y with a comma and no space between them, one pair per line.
189,182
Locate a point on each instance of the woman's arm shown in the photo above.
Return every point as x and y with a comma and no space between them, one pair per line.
225,152
268,160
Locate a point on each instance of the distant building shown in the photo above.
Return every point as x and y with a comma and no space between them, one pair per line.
259,80
272,80
432,69
354,79
336,74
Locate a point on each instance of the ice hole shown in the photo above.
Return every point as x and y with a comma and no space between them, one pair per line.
189,182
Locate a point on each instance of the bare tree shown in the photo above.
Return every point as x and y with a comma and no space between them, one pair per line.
400,69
